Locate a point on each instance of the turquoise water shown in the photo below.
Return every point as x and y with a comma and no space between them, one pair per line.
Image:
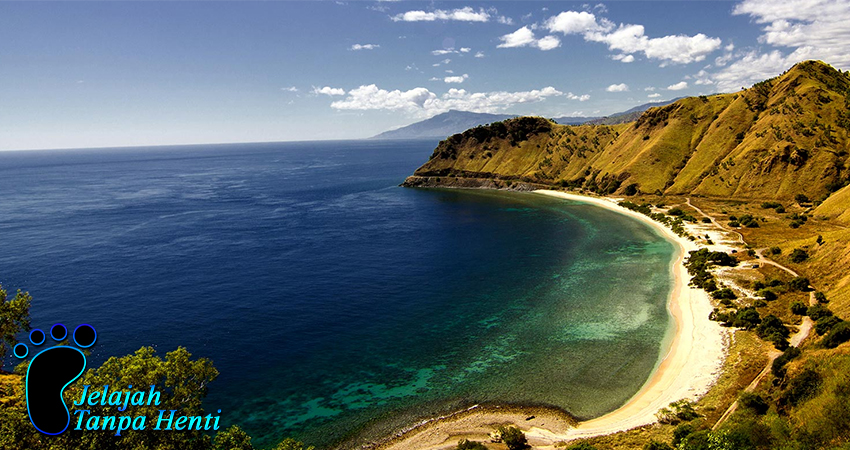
337,306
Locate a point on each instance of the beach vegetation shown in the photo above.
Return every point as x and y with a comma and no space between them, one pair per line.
677,412
581,446
14,319
724,293
767,294
655,445
466,444
232,438
681,432
512,437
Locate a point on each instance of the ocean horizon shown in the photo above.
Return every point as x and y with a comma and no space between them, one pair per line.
337,306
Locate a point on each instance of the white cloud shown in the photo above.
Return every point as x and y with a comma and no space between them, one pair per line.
364,47
650,88
421,102
289,89
630,38
451,51
581,98
456,79
505,20
655,95
573,22
797,29
524,37
623,58
678,86
548,43
327,90
479,55
622,87
465,14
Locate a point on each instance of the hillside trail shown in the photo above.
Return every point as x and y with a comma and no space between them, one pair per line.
802,333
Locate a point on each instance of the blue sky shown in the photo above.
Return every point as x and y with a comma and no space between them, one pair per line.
92,74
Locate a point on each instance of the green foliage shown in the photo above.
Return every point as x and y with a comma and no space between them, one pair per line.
775,251
799,284
803,386
767,294
696,441
825,324
513,438
816,312
14,318
233,438
799,308
754,402
839,334
724,293
681,432
465,444
778,365
291,444
676,412
581,446
821,297
655,445
769,325
799,255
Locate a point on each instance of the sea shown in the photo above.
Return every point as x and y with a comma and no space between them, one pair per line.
337,306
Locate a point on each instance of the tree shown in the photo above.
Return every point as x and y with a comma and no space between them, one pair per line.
291,444
801,198
767,294
655,445
775,251
14,318
799,308
821,297
799,284
233,438
824,324
469,445
513,438
816,312
839,334
681,432
799,255
754,402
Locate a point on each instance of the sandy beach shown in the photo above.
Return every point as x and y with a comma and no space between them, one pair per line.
690,365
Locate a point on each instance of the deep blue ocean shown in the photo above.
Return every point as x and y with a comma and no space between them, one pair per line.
336,305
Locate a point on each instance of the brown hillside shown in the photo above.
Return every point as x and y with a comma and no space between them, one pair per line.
782,137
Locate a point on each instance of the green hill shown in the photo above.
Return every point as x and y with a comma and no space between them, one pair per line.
782,137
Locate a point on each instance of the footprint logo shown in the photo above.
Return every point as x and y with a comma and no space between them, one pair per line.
50,372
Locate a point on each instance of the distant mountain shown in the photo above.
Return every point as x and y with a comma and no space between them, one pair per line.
442,125
453,122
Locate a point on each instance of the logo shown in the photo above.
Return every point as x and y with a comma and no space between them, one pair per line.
53,369
50,371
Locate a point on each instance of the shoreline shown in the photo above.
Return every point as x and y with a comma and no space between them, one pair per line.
692,361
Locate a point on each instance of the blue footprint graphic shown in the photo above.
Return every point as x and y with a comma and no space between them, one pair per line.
50,372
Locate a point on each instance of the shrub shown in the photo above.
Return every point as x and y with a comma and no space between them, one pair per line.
655,445
801,198
754,402
775,251
770,325
824,324
513,438
839,334
799,308
681,432
778,365
817,312
767,294
470,445
803,386
724,293
799,284
821,297
799,255
581,446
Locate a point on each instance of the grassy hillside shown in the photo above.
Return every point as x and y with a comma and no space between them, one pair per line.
781,138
